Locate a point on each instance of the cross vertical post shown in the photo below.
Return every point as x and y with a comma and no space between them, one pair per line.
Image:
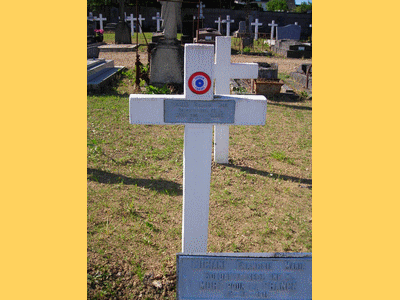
196,156
224,70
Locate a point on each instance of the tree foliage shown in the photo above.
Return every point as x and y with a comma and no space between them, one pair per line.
304,7
275,5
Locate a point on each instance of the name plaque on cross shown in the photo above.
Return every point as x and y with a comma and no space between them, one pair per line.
199,111
244,275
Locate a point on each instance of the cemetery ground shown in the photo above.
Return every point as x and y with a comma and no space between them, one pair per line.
259,202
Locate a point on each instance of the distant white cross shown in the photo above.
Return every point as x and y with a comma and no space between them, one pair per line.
198,109
256,24
201,10
224,70
158,19
140,22
219,24
228,22
101,19
272,28
131,19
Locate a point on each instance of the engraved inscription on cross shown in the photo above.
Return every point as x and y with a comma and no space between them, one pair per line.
198,109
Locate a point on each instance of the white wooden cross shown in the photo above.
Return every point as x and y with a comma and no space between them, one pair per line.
131,19
219,24
224,70
198,109
140,22
228,22
158,19
256,24
272,24
101,19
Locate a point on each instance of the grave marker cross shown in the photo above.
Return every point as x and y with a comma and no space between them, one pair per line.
198,109
158,19
219,24
140,22
131,19
256,24
272,24
224,70
101,19
228,22
201,10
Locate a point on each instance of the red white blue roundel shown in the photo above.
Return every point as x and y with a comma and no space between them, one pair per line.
199,83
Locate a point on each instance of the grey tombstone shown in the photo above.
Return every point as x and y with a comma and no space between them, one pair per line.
122,31
242,27
166,63
288,32
244,276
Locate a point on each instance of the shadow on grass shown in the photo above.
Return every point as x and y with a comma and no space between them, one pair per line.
290,106
272,175
159,185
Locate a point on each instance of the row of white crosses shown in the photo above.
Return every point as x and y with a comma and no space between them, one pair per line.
131,19
201,68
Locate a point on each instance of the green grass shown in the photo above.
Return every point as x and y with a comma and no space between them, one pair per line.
260,202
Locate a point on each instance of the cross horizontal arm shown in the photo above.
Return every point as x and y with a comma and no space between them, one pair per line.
149,109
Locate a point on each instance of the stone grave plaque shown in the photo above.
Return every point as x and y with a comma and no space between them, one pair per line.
199,111
244,276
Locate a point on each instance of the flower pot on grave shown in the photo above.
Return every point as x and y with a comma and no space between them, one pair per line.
99,38
268,87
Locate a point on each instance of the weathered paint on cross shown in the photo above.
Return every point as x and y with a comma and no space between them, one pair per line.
158,19
150,109
228,22
224,70
256,24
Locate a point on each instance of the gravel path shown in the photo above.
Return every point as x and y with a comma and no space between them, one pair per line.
285,65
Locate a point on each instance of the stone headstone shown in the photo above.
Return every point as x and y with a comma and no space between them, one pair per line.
166,59
244,276
242,27
171,16
114,15
122,31
288,32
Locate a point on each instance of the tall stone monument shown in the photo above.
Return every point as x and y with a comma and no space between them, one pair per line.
166,64
122,31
